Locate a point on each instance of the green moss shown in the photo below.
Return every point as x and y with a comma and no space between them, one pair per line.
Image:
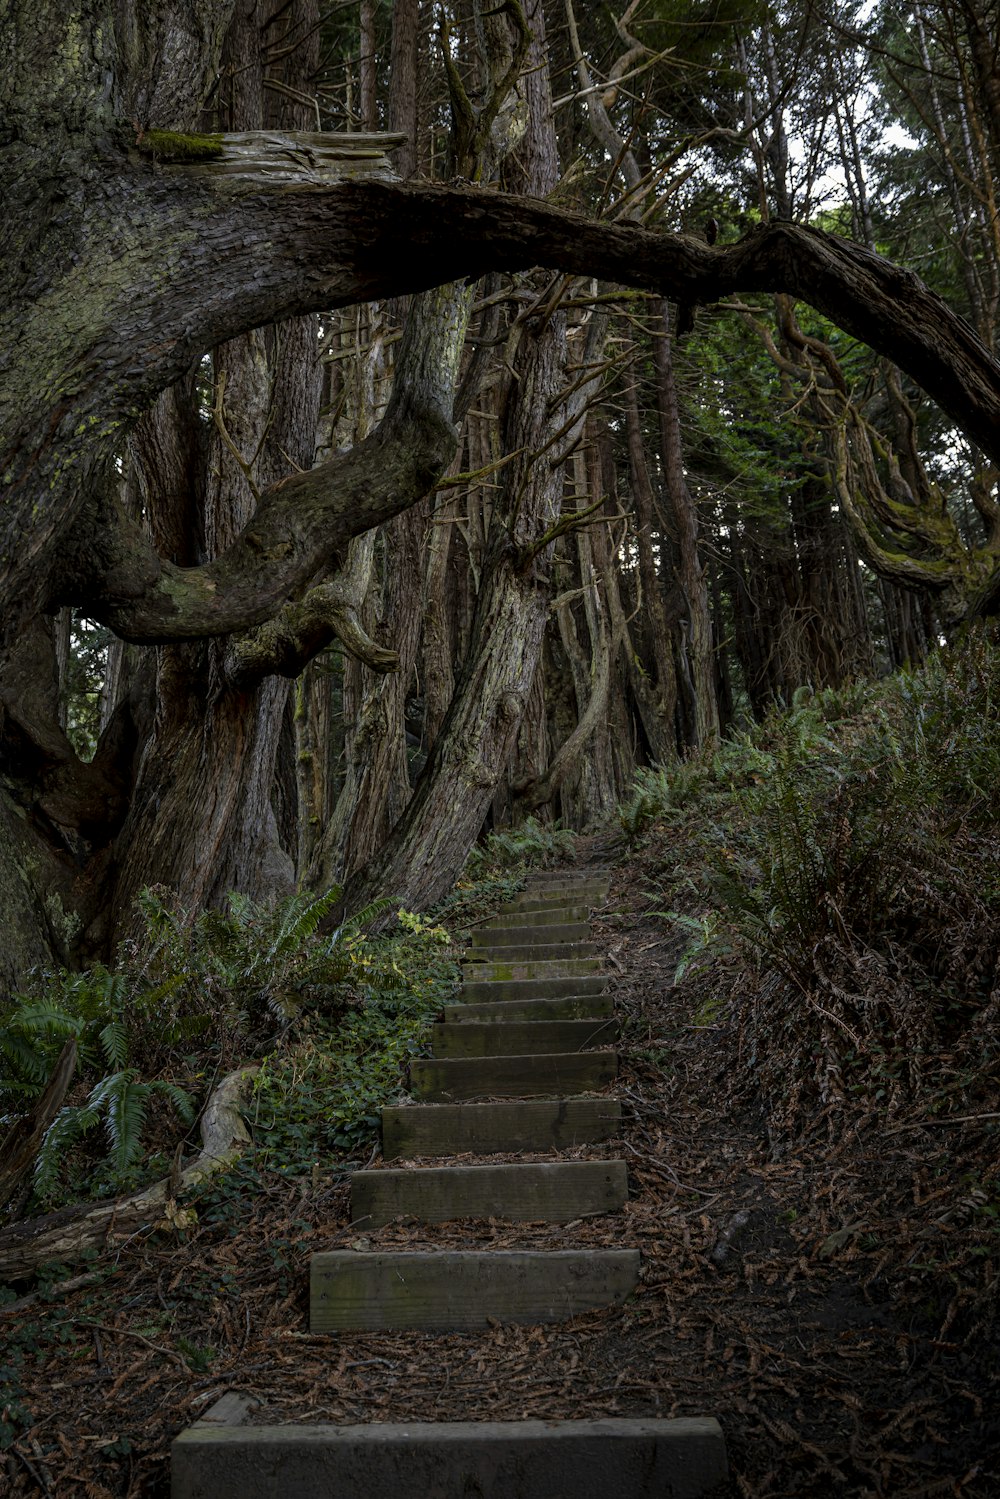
174,145
65,924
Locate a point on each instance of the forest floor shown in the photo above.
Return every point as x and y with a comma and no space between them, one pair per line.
829,1304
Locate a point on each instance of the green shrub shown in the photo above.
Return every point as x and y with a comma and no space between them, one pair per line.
849,856
326,1093
187,999
532,843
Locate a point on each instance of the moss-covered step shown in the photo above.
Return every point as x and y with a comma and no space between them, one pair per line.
453,1079
684,1458
589,895
534,911
525,972
459,1290
570,985
545,1192
530,952
543,915
519,1038
574,1007
436,1129
531,936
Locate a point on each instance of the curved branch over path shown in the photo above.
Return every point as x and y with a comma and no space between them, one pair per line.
200,258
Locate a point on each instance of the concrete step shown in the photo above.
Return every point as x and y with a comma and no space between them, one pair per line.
569,986
543,915
629,1459
575,1007
576,895
530,936
549,968
531,952
550,1192
592,892
531,1124
453,1079
519,1038
578,881
458,1290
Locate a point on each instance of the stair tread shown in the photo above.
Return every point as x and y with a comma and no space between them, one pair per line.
542,1192
546,1075
570,1007
458,1289
518,1124
485,1038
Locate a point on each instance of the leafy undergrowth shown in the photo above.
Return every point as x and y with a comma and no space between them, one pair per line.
843,862
538,844
189,1000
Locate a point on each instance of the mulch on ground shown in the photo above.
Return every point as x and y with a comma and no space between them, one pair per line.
833,1305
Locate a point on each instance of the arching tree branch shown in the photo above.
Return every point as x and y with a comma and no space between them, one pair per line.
206,256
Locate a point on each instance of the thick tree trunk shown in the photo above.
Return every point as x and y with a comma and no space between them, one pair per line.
430,843
201,818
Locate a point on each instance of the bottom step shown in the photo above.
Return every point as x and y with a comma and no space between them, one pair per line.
455,1290
683,1459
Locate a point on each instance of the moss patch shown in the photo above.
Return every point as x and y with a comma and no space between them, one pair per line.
175,145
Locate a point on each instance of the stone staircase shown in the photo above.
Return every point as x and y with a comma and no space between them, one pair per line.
519,1066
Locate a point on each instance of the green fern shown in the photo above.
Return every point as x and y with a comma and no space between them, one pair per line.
302,916
121,1100
532,843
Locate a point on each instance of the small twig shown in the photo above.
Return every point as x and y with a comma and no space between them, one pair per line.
948,1119
124,1332
669,1175
219,417
36,1475
566,523
475,475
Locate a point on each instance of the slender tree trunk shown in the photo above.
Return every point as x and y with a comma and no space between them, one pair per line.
431,841
655,686
684,513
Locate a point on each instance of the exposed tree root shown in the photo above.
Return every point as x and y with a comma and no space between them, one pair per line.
64,1235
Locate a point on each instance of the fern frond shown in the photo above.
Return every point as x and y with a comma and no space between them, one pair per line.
301,917
25,1062
356,923
184,1104
114,1043
70,1124
162,991
242,908
42,1016
126,1115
